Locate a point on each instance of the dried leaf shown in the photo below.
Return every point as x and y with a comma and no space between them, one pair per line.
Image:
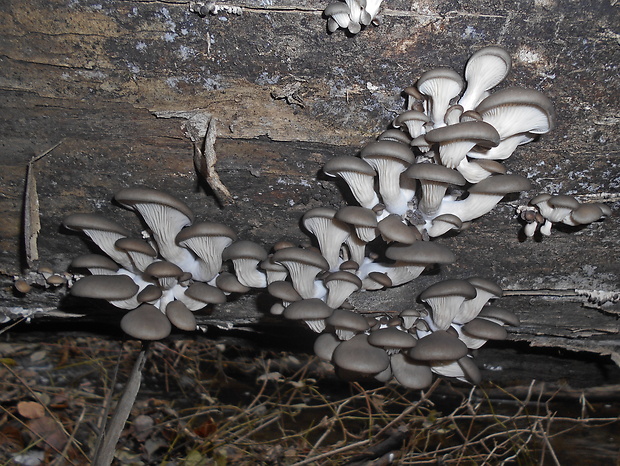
50,431
30,409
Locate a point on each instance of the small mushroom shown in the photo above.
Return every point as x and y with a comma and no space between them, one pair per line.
330,233
434,180
359,357
146,323
312,311
303,266
118,290
441,85
445,299
340,286
411,373
180,316
245,256
359,176
347,323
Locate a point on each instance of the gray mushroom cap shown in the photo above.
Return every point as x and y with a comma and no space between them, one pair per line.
486,285
347,323
95,263
485,329
358,175
395,135
586,213
387,149
421,252
302,256
502,315
357,355
132,197
108,287
149,294
501,184
308,309
206,294
146,322
180,316
410,373
540,120
244,250
228,283
478,132
391,338
81,222
325,345
438,346
451,287
435,172
283,290
392,229
470,370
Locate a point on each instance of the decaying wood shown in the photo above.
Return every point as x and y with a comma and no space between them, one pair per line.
95,76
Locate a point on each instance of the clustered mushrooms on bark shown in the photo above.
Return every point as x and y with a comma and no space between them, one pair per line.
438,169
544,210
176,269
351,15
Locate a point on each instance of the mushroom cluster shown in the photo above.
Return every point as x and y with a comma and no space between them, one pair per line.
171,270
545,209
409,348
437,169
351,15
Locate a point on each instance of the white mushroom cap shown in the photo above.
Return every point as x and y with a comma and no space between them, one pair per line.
303,266
340,286
485,69
441,85
359,176
389,159
455,141
245,256
434,180
103,232
207,240
517,110
165,215
329,232
445,299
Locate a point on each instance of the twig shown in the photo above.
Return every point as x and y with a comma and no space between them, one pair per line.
205,159
105,455
32,221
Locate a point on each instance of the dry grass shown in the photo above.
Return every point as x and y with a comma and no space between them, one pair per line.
208,403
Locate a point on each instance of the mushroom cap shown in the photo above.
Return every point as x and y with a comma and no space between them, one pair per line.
480,132
503,315
515,97
130,197
357,355
88,261
421,252
438,346
244,250
205,293
343,275
393,229
205,229
486,285
395,135
470,369
391,337
435,172
485,329
410,115
146,322
80,222
564,201
149,293
586,213
387,149
108,287
357,216
427,86
451,287
163,269
307,309
325,345
229,283
180,316
135,245
501,184
410,373
381,278
284,291
348,320
303,256
346,163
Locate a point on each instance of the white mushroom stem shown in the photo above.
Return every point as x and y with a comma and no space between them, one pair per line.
330,234
474,206
530,229
545,229
445,309
357,248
